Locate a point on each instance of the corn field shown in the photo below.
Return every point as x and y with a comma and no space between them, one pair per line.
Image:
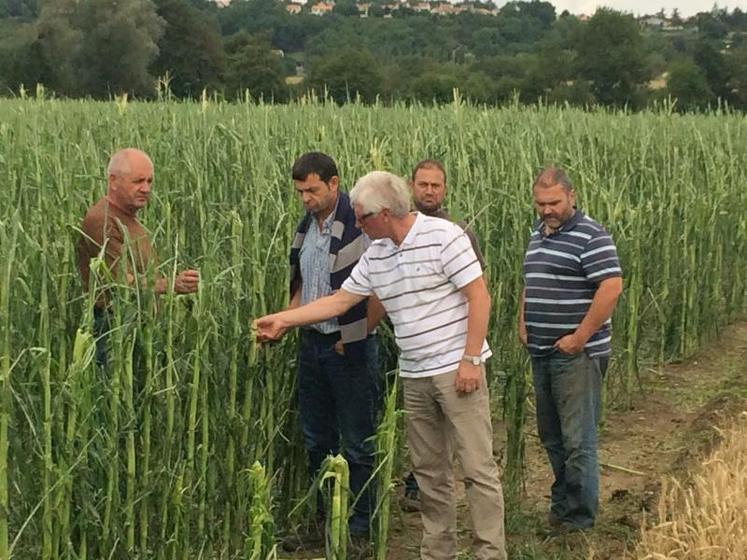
187,446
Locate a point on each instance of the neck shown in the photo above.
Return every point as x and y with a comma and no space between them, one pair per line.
129,211
401,227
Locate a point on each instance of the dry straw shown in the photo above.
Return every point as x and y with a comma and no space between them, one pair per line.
706,519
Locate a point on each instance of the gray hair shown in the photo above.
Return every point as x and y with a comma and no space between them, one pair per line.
119,164
551,176
381,190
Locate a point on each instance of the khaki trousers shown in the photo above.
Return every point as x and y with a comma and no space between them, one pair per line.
438,417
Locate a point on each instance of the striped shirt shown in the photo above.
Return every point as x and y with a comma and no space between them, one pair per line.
419,283
561,274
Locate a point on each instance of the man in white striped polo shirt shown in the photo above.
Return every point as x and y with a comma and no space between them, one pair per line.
572,281
426,275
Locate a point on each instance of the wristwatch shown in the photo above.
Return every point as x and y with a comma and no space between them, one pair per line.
474,360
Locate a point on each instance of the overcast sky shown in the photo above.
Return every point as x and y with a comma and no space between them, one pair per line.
639,7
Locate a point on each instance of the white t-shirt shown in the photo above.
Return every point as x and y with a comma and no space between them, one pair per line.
418,284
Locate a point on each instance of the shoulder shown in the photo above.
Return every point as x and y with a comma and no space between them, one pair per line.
95,217
438,228
591,227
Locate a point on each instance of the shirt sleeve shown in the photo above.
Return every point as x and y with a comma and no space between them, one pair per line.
460,264
599,259
358,281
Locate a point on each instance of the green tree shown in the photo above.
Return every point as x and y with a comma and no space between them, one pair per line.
738,81
190,50
345,75
688,84
346,8
52,48
253,65
713,64
610,56
120,41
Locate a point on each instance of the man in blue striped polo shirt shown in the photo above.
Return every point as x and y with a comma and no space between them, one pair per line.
572,279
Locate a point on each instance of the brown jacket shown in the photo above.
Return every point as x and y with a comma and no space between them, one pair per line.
108,226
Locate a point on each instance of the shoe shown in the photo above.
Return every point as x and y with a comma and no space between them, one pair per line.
410,502
554,520
311,538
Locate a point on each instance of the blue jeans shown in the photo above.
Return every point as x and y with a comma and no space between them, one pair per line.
568,394
338,404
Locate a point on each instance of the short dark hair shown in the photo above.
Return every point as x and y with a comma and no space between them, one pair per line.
550,176
314,162
429,164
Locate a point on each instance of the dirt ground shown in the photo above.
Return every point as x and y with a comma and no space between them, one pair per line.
669,428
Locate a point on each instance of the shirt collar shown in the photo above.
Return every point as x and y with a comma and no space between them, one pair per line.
410,237
571,223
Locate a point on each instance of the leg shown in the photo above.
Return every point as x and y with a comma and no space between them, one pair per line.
316,408
431,463
576,385
468,418
355,386
548,428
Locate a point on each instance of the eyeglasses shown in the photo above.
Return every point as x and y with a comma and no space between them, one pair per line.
363,217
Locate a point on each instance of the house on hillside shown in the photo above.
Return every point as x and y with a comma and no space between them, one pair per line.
323,8
446,9
652,22
293,8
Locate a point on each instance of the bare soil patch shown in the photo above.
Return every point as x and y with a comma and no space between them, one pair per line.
671,425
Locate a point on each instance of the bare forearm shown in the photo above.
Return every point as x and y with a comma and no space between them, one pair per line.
477,322
315,312
375,313
522,324
601,308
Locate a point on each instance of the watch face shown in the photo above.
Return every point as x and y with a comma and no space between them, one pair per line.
476,361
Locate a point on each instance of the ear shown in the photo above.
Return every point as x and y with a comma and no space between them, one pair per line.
334,182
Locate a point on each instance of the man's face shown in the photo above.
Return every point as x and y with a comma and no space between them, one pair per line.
371,223
316,195
131,191
428,189
554,205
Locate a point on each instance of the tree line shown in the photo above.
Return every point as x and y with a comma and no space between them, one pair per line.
180,48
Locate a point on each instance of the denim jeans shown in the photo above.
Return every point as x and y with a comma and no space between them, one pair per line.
338,404
568,394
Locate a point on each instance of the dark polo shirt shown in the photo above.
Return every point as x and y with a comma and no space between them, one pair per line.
561,274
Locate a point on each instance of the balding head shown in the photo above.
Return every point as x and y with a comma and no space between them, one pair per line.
122,161
551,176
130,175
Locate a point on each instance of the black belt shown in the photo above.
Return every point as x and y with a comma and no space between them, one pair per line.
320,338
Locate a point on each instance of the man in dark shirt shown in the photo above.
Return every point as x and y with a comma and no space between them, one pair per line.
428,184
572,280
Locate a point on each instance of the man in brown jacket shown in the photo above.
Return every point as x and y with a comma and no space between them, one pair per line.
111,230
